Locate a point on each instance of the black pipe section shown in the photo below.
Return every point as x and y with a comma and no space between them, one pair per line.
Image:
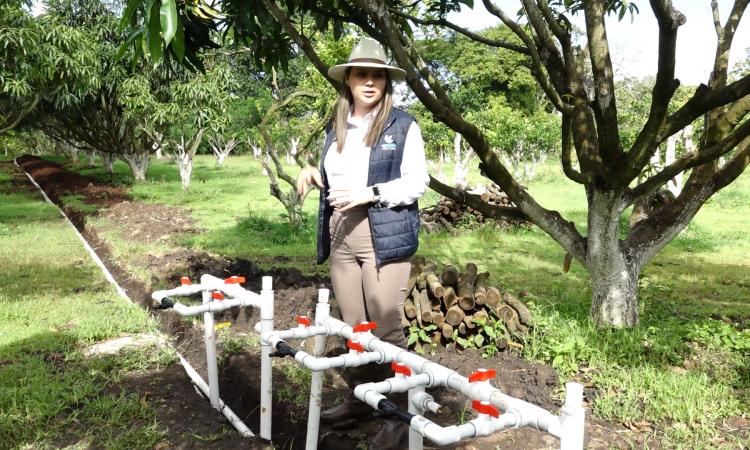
282,350
390,410
165,303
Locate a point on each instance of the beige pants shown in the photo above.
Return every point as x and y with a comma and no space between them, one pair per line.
365,292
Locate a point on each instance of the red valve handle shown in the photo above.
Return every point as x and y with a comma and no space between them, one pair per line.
364,326
303,320
485,408
217,296
185,281
401,368
482,375
234,279
355,346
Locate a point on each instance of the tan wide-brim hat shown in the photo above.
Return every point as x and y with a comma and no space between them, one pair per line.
367,53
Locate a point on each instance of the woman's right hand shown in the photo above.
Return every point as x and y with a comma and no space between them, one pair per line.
308,176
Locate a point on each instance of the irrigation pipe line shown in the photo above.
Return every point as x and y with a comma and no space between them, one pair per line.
194,376
412,372
91,251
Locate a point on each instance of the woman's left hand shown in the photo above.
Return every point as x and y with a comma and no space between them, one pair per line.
345,199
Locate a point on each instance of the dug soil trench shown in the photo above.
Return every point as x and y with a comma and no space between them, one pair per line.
188,416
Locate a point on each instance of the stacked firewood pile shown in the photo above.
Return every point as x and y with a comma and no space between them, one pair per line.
446,213
445,305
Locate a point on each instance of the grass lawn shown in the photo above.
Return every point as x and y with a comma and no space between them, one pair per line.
54,305
683,371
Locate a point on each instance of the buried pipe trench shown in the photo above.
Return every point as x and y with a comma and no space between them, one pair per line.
197,380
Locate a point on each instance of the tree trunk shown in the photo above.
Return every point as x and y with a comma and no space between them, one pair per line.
91,158
614,276
109,161
138,163
73,153
185,164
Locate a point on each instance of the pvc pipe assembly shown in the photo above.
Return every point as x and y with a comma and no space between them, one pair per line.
213,291
413,373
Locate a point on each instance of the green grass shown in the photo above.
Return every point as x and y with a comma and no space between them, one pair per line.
682,368
54,304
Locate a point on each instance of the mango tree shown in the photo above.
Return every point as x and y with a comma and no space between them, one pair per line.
180,111
41,60
577,78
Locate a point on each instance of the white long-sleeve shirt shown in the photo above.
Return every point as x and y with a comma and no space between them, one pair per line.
349,169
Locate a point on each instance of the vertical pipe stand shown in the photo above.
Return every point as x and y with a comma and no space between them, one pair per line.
211,364
572,418
322,311
416,440
266,326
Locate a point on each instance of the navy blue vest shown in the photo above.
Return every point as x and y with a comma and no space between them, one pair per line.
394,230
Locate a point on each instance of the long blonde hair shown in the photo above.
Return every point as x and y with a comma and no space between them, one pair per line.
344,105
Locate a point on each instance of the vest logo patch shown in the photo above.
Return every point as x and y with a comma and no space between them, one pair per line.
388,144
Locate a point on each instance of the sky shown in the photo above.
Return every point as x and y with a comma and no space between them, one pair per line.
634,44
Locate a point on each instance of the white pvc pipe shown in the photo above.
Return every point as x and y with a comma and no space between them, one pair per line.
572,418
266,394
224,409
392,385
416,440
322,311
529,414
209,336
211,307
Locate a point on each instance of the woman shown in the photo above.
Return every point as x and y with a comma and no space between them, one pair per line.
372,172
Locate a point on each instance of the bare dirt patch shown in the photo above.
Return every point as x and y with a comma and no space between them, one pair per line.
146,223
189,418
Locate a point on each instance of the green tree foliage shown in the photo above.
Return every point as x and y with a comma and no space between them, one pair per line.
177,113
42,60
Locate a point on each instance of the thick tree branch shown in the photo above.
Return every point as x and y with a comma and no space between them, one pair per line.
726,38
734,167
537,68
650,235
582,119
716,18
554,25
541,28
21,114
669,20
691,160
301,41
263,128
567,162
736,112
473,36
605,104
475,201
548,48
704,99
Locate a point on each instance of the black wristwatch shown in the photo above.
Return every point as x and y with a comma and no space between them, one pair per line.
376,194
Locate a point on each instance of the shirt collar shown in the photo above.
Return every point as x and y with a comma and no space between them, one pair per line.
356,121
